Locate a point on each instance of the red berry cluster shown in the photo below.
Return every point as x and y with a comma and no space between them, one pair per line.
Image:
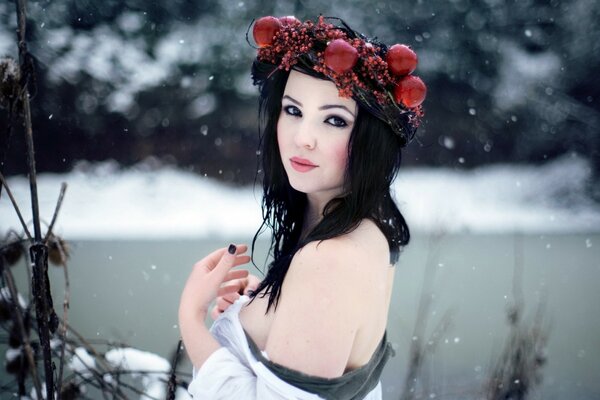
355,65
284,45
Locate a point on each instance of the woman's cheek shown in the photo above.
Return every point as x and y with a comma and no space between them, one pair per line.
341,155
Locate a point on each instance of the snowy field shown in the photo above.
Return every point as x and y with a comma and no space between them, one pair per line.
147,202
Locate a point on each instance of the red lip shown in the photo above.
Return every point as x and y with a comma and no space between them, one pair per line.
302,164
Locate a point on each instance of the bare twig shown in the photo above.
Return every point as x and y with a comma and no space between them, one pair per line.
21,325
517,284
46,321
10,95
88,347
26,67
61,196
66,300
172,385
16,207
417,349
517,370
39,256
100,383
99,374
38,251
441,328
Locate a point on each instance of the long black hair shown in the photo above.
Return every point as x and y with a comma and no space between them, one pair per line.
373,160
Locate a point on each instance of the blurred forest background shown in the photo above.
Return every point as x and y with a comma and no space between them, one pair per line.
508,80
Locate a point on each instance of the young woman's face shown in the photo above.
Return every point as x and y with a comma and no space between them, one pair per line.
313,131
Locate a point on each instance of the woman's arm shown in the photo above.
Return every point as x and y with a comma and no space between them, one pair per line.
203,285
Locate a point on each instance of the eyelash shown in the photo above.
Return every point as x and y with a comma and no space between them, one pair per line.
339,122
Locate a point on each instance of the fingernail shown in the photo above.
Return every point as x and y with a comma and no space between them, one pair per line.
232,248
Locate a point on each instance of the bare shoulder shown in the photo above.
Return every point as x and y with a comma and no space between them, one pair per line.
371,241
347,260
325,300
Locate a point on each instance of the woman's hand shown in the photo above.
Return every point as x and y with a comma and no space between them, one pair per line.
205,283
243,286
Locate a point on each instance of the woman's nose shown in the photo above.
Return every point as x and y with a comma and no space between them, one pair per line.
305,136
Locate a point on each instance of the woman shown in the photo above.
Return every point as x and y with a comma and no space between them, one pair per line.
315,326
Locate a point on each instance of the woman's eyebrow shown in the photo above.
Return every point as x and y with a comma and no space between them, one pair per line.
325,107
291,99
328,106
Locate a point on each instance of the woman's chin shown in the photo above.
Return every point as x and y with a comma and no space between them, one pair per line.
302,187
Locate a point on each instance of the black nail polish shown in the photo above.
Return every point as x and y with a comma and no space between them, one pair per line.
232,248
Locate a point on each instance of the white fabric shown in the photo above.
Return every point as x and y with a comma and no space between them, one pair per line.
232,372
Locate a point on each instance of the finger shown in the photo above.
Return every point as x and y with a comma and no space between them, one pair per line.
231,297
240,260
238,284
209,262
241,249
228,260
228,289
222,303
236,275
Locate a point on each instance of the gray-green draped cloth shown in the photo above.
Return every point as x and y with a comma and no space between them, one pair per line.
353,385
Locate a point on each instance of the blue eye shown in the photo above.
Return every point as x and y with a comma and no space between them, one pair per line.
292,110
337,122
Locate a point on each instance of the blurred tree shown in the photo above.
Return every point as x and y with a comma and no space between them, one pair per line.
508,81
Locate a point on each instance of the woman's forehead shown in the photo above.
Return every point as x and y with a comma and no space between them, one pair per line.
303,87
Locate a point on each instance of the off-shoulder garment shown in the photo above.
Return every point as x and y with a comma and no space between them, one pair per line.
239,370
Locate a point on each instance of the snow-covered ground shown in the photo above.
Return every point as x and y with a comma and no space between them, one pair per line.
104,202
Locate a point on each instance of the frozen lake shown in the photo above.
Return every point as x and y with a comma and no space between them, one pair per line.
128,290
